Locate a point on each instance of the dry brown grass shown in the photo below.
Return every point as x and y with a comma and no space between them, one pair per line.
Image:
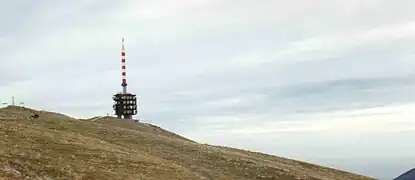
59,147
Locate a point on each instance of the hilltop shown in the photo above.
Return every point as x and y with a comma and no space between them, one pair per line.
55,146
410,175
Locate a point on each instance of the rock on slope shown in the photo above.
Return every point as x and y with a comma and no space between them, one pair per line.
55,146
410,175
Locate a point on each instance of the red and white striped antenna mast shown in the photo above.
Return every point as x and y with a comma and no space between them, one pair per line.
123,69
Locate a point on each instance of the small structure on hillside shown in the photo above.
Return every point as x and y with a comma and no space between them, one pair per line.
35,116
13,103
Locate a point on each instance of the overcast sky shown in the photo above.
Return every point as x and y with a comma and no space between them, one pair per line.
317,80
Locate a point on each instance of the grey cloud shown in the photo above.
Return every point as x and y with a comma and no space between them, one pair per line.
276,102
346,76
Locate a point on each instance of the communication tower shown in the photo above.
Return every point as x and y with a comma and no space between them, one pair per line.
125,104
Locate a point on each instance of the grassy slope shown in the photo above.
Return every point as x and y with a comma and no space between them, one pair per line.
59,147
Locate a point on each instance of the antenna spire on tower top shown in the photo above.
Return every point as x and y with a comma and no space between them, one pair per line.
123,43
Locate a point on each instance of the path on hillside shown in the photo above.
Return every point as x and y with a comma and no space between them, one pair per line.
97,118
